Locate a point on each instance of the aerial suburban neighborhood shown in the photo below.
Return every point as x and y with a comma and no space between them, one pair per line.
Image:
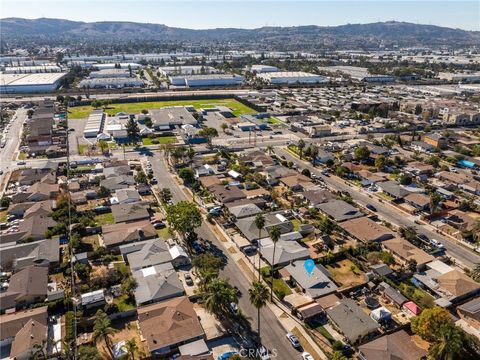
271,193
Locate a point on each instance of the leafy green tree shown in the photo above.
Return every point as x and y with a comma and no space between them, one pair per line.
88,353
258,298
209,133
5,201
475,273
133,131
103,145
187,175
405,179
313,153
380,162
224,127
362,153
275,236
301,146
103,192
428,324
102,330
140,177
166,195
148,121
132,348
184,217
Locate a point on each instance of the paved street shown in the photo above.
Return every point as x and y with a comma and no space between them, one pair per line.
389,212
273,334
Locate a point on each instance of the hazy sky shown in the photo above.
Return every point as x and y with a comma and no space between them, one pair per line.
202,14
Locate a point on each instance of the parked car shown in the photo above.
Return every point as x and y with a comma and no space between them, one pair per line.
188,279
263,353
436,243
233,307
293,340
159,225
306,356
371,207
226,355
21,163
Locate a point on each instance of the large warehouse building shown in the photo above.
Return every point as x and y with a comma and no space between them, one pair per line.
186,70
293,77
30,83
206,80
358,73
95,123
110,83
110,73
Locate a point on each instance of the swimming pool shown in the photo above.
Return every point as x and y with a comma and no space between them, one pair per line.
466,163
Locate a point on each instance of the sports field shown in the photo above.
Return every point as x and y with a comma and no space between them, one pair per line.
80,112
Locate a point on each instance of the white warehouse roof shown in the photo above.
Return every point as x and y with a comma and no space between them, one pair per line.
291,77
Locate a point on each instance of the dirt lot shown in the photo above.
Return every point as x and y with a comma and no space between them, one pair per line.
346,273
125,330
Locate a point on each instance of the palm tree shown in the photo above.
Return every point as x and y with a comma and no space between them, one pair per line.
301,146
313,153
259,223
449,345
103,330
270,149
434,202
274,235
131,347
102,144
258,298
219,295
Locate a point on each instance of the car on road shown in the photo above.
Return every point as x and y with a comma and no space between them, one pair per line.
21,163
371,207
233,307
293,340
159,225
153,181
423,237
188,279
306,356
197,247
436,243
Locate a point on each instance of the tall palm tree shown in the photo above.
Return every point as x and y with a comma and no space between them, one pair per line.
131,347
301,146
449,345
103,330
274,235
259,223
219,295
270,149
258,298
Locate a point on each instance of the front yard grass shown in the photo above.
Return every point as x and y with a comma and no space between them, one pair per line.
385,196
104,219
280,287
79,112
82,148
3,216
164,233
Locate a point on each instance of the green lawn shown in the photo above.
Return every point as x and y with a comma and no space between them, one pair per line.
385,196
22,156
280,288
3,216
104,219
124,303
82,148
163,233
161,140
80,112
419,296
274,121
296,224
325,333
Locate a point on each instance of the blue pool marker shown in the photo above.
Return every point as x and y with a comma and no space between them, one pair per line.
309,266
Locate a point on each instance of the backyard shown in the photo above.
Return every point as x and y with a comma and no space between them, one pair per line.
346,273
280,288
80,112
104,219
159,140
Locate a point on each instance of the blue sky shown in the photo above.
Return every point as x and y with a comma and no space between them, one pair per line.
202,14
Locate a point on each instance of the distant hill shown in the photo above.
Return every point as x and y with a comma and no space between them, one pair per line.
375,34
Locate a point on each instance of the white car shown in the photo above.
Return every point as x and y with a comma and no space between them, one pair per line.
263,353
293,340
306,356
436,243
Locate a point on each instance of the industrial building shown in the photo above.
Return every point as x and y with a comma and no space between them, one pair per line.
95,123
206,80
30,83
132,66
460,77
293,77
258,69
187,70
45,68
358,73
111,83
110,73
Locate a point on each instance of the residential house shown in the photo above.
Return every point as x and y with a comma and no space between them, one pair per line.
26,287
114,183
130,212
419,201
318,196
209,181
436,140
339,210
18,256
470,312
395,346
314,284
37,192
286,251
22,330
246,210
274,173
404,252
297,182
153,252
169,324
93,299
352,321
115,235
126,196
422,146
226,193
156,283
393,189
366,230
248,228
392,295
